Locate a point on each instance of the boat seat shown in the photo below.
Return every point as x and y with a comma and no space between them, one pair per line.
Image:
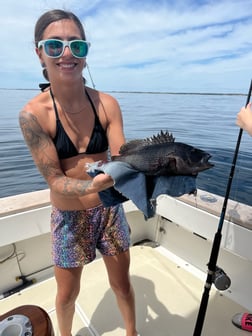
41,324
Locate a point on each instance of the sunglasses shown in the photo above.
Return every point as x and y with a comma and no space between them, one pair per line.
55,48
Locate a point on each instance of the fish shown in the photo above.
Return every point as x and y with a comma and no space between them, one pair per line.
160,155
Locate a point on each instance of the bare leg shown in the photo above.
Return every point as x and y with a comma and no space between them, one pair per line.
118,273
68,287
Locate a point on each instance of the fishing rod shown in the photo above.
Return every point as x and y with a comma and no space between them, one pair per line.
217,239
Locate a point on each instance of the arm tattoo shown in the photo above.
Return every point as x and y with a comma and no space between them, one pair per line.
34,136
73,187
38,142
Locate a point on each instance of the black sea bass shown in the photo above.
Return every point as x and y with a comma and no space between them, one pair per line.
161,155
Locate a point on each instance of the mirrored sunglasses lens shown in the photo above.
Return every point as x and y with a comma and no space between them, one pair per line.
53,48
79,48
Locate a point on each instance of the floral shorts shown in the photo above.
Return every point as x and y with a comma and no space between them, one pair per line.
76,234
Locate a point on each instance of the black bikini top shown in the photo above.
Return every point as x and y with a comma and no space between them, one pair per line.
65,148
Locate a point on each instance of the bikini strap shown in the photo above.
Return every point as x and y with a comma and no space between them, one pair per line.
44,86
54,105
92,104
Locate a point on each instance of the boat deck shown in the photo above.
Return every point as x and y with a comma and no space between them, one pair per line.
167,300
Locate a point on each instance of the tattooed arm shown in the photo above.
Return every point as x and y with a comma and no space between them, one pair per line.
46,159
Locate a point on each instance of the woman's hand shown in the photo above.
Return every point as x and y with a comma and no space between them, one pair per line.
102,181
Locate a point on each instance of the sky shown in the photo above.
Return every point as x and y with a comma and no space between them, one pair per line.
140,45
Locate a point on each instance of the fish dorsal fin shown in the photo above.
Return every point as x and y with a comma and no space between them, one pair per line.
160,138
137,144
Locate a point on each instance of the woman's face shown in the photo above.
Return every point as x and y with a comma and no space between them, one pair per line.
66,67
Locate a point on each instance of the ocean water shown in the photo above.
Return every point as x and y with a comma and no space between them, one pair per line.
206,121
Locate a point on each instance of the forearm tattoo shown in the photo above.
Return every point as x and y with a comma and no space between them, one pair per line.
72,187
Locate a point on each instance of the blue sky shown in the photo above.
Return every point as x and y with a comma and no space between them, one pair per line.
141,45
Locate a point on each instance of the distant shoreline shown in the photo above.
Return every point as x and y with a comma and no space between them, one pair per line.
182,93
152,92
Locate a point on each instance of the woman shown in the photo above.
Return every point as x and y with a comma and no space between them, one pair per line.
65,127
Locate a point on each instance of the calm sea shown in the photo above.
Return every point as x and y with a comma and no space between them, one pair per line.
203,120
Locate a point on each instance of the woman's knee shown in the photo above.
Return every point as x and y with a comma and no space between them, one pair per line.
122,288
67,295
68,285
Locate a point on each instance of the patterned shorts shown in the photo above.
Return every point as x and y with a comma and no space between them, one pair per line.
76,234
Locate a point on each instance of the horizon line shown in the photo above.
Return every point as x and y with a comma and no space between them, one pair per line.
151,92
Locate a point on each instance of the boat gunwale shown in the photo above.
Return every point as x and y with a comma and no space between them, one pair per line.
237,213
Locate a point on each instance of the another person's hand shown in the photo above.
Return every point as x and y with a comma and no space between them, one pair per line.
244,118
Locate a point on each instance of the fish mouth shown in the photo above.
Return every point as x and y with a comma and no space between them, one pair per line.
205,161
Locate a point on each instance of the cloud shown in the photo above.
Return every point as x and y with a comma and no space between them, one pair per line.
142,46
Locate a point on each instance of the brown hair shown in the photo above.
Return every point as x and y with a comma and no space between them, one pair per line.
50,17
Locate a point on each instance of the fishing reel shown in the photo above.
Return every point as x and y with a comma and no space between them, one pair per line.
220,279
